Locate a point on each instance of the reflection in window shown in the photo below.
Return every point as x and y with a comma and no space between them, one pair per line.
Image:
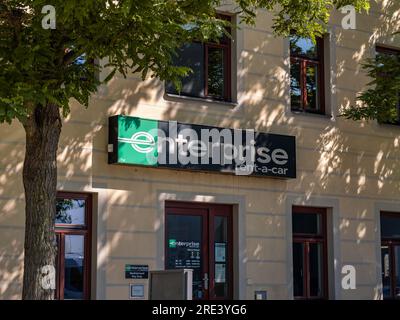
70,211
312,86
74,268
216,71
306,72
295,85
307,223
309,253
397,272
390,255
382,56
298,269
220,256
184,238
303,47
316,269
210,63
72,230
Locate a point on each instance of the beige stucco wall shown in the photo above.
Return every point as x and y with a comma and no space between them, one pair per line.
351,168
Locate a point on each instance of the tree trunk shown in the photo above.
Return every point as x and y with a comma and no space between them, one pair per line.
42,130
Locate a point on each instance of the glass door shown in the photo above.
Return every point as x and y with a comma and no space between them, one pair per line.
199,237
396,249
185,246
390,254
72,228
309,253
220,261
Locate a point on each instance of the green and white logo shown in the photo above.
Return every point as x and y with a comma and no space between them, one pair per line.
172,243
137,141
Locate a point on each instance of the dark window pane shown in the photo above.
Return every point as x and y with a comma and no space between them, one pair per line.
295,85
74,258
298,269
70,211
306,223
191,55
221,229
316,269
390,226
382,54
385,256
80,60
184,250
312,86
216,79
397,272
304,47
220,254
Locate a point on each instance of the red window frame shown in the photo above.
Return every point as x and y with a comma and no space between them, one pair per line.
227,69
61,230
304,62
225,44
391,243
209,212
307,239
386,50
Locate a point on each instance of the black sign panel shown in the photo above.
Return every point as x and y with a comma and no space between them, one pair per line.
168,144
136,271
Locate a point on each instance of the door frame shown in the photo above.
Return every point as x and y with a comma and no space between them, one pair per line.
391,243
61,231
210,210
307,239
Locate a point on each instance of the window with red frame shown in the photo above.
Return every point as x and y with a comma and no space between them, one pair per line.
211,66
73,234
309,253
390,254
383,51
306,75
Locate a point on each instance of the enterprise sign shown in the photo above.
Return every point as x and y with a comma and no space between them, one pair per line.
170,144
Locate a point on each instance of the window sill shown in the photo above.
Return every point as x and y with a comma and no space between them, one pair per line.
176,97
389,125
311,114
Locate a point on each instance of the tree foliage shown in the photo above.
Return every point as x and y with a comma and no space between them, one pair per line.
381,100
39,66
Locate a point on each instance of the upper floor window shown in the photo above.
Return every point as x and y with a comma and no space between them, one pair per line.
384,52
211,65
306,75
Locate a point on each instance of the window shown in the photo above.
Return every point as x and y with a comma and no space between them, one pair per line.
72,228
199,237
211,65
383,51
309,253
390,254
306,75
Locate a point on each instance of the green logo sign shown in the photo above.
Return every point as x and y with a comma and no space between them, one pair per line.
172,243
137,141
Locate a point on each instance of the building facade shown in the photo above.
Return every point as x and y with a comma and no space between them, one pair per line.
276,235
